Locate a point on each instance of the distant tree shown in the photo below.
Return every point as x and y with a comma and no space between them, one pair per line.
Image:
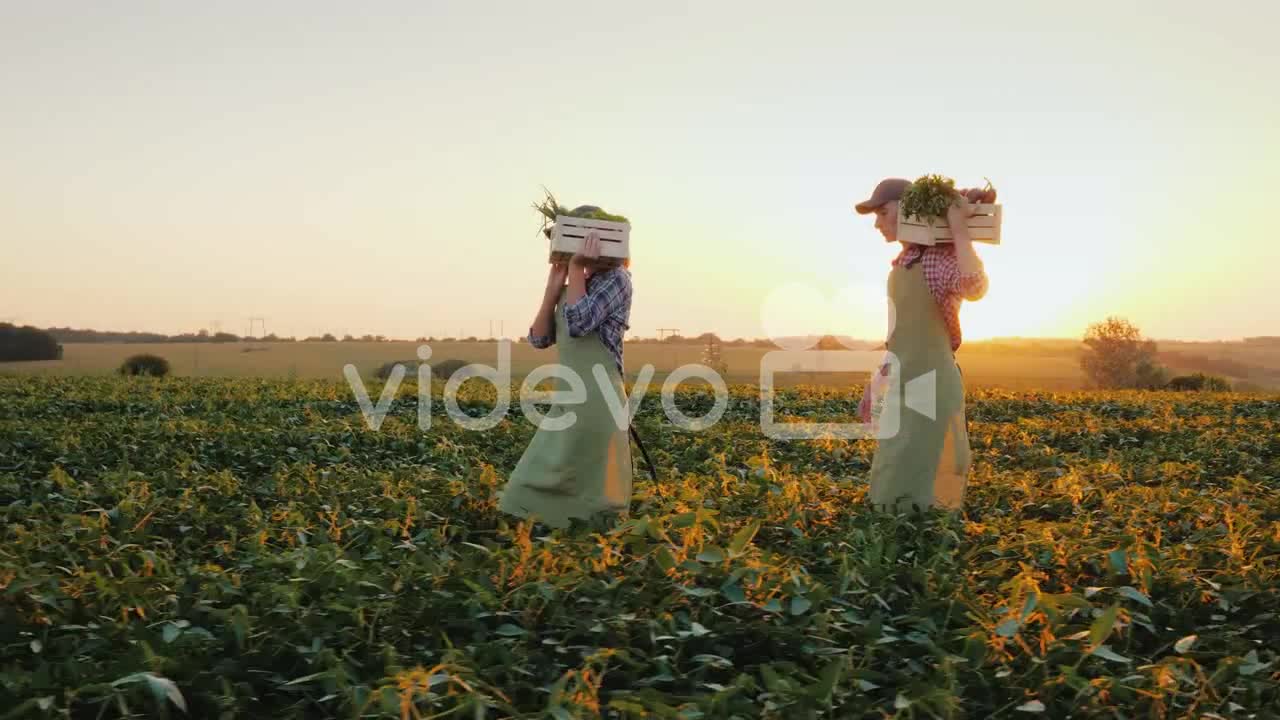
469,338
71,335
145,364
1117,356
223,337
348,338
27,343
328,337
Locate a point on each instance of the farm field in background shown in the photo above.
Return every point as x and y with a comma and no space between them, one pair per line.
1025,365
249,547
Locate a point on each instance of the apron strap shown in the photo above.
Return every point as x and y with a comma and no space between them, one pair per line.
917,259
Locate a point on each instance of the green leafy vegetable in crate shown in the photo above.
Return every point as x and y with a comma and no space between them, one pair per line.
930,196
550,208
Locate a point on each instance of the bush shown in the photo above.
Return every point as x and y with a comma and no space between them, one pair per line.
445,369
1199,382
1150,376
145,364
1213,383
441,370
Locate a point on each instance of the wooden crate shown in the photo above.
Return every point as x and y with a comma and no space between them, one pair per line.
984,226
569,233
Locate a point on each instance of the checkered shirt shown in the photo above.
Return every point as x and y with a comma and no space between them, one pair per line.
947,284
605,309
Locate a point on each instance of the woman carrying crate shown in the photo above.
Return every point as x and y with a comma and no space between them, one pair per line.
926,463
583,471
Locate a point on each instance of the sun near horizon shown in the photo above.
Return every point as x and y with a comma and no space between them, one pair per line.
172,169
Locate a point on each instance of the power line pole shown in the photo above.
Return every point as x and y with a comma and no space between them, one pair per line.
663,333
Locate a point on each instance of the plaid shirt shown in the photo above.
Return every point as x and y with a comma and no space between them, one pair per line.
605,309
947,284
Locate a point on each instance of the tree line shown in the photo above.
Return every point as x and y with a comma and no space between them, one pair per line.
76,335
27,343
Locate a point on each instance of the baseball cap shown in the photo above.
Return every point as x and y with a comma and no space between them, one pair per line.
888,190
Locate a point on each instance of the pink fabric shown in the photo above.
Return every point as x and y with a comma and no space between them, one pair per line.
947,284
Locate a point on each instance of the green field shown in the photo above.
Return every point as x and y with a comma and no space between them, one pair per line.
249,548
1046,365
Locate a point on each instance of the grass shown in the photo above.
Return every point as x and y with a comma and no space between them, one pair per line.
248,548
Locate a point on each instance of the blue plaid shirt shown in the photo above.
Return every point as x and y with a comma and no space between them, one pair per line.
605,309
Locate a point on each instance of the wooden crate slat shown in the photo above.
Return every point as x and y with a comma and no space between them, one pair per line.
570,221
982,228
945,232
925,236
977,221
569,233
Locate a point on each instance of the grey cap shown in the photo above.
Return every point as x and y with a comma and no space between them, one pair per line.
887,191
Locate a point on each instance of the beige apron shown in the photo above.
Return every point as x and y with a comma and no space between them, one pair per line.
585,470
926,463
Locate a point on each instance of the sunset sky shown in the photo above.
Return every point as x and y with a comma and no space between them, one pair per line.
346,168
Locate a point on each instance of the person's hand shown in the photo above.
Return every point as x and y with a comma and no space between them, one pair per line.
985,196
556,275
958,216
590,252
